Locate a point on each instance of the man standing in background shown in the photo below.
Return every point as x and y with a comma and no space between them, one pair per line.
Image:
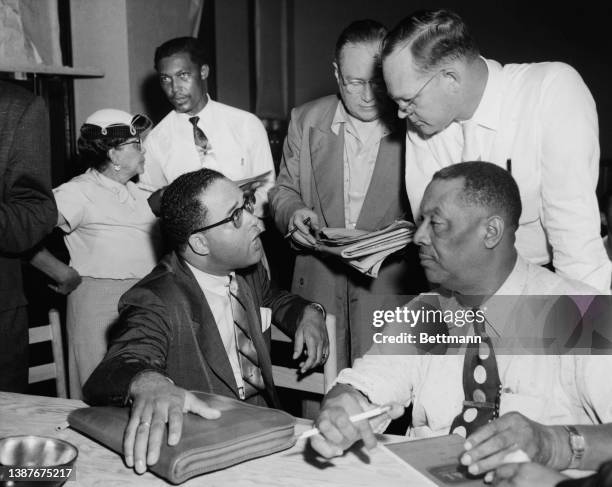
536,120
343,166
201,132
27,214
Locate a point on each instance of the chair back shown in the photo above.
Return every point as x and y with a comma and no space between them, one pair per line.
316,382
56,369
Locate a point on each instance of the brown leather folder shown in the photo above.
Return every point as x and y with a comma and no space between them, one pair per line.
243,432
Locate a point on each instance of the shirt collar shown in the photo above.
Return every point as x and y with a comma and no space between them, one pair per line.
204,114
211,283
342,116
487,113
121,190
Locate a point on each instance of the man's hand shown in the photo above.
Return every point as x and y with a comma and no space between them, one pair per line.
487,447
67,281
156,401
312,335
303,234
526,475
337,432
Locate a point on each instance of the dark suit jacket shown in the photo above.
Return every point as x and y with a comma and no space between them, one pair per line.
166,325
311,176
27,214
27,207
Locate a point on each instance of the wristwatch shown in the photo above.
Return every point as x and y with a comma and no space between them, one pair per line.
577,445
319,308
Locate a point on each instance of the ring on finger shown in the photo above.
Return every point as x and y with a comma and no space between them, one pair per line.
145,423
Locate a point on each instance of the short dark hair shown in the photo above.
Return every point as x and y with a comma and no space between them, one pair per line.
94,153
434,36
189,45
181,210
486,185
360,31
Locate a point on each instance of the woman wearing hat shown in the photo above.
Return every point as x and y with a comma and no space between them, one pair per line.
111,235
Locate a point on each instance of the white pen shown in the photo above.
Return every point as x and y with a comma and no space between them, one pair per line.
353,419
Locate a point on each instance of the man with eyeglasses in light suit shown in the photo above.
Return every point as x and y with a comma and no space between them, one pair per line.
343,166
537,120
177,326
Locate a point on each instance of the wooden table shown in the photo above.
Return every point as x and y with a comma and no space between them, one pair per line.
97,466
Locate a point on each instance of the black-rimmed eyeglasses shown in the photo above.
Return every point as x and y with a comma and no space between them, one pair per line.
236,216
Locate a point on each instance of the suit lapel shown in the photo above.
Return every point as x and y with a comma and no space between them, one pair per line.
205,328
263,354
327,158
388,169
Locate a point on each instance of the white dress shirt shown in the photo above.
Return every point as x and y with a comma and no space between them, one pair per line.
361,143
111,232
550,389
216,289
542,118
238,139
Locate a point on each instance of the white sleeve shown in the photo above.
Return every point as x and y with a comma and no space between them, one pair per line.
261,161
383,378
153,177
71,204
594,385
570,169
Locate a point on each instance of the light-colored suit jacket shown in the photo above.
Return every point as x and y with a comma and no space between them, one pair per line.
311,176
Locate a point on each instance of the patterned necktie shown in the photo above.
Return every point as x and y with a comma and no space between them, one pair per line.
199,137
471,149
247,355
481,384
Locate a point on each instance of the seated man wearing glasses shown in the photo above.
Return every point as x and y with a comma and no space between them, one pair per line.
343,166
194,323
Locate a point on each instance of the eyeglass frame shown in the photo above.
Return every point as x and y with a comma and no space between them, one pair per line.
360,84
236,215
410,104
137,141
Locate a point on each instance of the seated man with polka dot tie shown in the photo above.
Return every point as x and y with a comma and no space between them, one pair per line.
502,400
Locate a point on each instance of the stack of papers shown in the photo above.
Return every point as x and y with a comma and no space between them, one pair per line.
254,182
366,251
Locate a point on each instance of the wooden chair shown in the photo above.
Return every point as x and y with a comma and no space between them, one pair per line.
315,382
56,369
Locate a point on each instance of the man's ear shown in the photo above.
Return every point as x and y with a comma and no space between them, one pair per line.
198,244
336,73
453,77
204,72
495,227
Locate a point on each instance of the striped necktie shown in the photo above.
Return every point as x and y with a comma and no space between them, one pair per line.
481,384
247,354
199,137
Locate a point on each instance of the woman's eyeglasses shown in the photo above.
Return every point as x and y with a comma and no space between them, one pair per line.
137,142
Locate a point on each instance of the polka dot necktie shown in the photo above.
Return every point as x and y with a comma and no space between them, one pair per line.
199,137
247,354
481,384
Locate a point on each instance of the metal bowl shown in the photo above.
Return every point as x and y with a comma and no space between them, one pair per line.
32,453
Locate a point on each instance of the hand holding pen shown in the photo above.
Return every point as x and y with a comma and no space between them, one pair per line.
303,227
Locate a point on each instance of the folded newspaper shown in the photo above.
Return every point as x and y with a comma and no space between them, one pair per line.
366,251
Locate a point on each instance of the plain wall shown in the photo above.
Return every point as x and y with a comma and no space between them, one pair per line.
99,39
